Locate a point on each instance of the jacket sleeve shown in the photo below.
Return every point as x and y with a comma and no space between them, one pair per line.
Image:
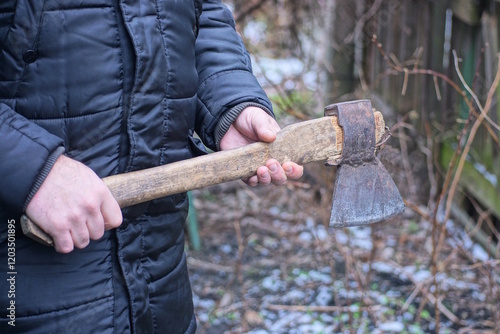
225,72
27,153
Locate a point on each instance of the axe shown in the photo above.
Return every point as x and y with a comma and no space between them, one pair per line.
347,136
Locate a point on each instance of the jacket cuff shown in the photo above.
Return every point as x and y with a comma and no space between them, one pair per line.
42,175
230,116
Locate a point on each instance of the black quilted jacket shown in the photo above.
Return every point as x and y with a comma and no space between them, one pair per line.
119,85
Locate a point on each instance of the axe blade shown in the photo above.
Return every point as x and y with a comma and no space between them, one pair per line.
364,194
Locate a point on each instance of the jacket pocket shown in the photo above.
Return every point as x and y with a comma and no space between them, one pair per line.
196,147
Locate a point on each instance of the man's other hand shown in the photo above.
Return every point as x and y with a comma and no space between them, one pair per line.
254,125
73,205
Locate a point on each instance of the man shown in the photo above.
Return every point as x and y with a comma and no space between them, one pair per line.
99,87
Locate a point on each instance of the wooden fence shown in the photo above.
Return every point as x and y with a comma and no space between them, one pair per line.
404,52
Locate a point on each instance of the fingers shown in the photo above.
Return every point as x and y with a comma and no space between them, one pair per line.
94,229
81,227
80,235
68,234
97,219
275,173
63,242
111,212
293,170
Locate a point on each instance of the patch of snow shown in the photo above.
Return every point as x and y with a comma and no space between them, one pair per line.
302,279
324,296
258,331
320,277
393,294
305,318
264,252
341,237
203,317
382,299
362,232
393,326
294,295
492,178
275,211
227,249
273,283
349,294
415,329
479,253
362,237
477,295
315,327
321,233
408,317
305,237
284,321
422,275
206,304
382,267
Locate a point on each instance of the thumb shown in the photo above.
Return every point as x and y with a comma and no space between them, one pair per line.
264,126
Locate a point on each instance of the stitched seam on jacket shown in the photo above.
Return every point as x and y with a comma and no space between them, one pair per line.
121,102
168,82
63,9
67,117
138,59
143,244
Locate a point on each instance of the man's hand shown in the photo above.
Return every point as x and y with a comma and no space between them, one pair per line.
73,205
254,125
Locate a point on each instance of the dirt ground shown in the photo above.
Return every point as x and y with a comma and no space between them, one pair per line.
270,264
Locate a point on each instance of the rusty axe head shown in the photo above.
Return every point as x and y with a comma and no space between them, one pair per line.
364,192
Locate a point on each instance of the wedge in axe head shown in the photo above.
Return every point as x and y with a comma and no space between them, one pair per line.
364,192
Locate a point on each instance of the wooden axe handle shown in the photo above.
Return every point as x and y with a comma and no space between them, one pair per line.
315,140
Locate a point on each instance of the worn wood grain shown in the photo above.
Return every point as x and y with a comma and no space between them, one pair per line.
315,140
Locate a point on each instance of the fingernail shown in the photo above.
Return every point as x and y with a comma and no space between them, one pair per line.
273,168
289,170
270,132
